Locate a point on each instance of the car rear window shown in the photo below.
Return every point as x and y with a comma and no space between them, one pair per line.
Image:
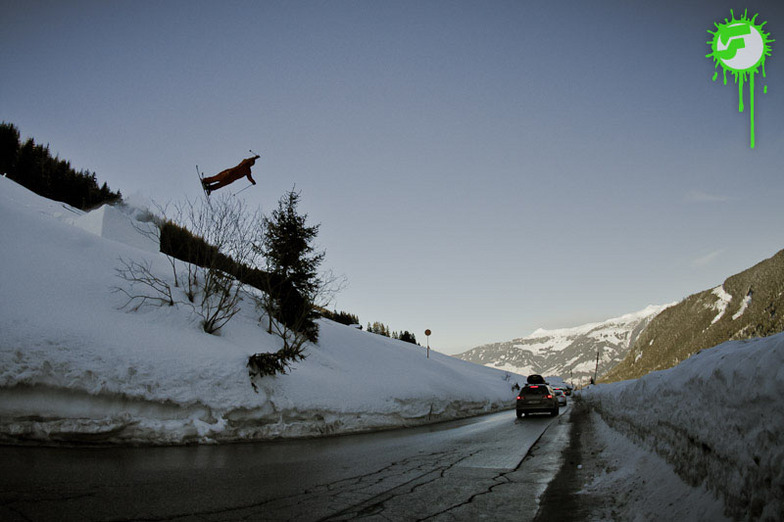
535,390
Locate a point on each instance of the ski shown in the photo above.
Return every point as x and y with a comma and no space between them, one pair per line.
201,183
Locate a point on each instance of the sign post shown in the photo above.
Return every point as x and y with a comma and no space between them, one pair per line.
427,334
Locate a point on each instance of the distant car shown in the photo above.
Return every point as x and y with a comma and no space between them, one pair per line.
536,398
558,388
561,397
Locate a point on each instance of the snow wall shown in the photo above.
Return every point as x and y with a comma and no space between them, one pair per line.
716,418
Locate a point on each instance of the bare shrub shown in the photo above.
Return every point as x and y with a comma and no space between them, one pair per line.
209,246
144,286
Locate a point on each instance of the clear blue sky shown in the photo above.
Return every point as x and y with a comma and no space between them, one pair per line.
481,169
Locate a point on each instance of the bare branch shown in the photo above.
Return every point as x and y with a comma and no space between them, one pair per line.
154,290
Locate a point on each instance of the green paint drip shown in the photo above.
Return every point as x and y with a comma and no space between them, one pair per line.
751,102
740,47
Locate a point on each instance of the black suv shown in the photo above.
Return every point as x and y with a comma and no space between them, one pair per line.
536,398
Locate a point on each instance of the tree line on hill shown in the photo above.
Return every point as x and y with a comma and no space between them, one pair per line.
33,167
382,329
376,327
340,317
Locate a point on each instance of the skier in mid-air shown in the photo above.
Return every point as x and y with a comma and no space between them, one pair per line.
229,176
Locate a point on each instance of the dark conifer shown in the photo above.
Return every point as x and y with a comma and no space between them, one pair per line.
33,167
292,259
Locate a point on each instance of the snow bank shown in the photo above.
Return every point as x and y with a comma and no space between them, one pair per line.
130,226
717,418
628,482
74,367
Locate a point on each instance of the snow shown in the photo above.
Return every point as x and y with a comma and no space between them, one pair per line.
76,367
111,223
628,482
721,304
605,327
716,419
743,306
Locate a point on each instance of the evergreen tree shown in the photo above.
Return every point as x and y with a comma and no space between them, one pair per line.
293,261
9,147
408,337
378,328
341,317
33,167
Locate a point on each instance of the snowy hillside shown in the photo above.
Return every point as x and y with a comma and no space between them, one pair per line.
568,352
716,418
745,306
74,367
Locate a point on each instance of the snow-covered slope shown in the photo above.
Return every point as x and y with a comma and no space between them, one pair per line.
717,418
568,352
75,367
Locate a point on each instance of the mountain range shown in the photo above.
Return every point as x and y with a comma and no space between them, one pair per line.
570,353
747,305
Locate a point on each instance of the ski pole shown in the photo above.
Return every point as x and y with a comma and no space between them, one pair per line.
246,188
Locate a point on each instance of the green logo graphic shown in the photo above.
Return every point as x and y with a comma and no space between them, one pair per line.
740,47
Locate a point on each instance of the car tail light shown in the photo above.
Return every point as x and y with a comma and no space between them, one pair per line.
533,387
548,396
520,397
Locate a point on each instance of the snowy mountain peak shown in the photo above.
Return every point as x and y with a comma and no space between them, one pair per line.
567,352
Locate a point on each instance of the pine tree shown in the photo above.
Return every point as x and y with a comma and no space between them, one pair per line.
292,286
293,261
9,147
33,167
408,337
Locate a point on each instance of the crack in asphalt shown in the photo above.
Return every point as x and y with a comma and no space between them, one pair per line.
377,495
499,479
428,486
376,504
342,488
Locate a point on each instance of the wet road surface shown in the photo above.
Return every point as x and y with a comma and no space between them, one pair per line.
471,469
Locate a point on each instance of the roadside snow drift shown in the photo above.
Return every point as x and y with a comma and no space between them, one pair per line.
717,418
74,367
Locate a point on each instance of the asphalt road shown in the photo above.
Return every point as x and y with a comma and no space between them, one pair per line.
472,469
